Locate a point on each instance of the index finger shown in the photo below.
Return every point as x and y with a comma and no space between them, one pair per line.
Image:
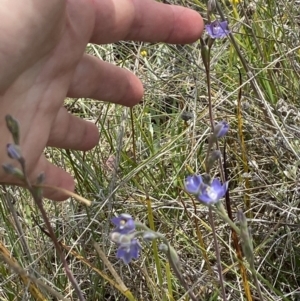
145,20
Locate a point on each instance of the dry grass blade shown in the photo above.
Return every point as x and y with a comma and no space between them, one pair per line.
27,279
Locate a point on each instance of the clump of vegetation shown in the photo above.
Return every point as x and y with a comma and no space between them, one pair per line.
224,199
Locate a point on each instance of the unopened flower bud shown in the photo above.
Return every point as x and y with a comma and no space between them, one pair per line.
40,179
206,179
14,151
186,115
174,256
13,127
246,239
214,156
211,6
115,237
163,248
10,169
149,236
204,53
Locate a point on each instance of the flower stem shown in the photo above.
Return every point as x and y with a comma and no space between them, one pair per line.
38,200
220,210
217,250
257,284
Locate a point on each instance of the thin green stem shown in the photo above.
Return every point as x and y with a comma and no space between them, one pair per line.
38,200
206,61
257,284
179,276
220,210
217,250
155,251
175,266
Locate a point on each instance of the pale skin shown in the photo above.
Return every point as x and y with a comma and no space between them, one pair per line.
42,62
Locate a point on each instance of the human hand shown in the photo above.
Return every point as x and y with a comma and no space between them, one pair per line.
42,61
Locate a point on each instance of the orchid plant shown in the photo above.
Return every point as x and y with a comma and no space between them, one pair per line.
207,190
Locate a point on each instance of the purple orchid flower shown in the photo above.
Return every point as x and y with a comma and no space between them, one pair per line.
217,29
207,194
124,236
124,223
211,194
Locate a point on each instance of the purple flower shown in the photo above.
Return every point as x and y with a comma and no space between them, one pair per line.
193,183
221,129
124,224
212,193
129,251
206,193
217,29
124,236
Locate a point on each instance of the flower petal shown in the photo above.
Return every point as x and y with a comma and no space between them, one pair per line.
129,251
124,255
192,184
223,190
216,184
124,223
211,193
221,129
209,30
204,198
